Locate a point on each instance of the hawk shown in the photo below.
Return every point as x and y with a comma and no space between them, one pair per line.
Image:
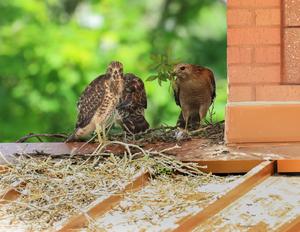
194,92
132,105
98,102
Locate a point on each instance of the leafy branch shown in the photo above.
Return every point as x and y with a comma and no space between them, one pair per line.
162,65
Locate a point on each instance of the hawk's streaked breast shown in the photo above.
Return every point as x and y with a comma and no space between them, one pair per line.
99,100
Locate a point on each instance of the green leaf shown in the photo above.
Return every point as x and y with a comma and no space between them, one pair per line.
152,78
164,77
154,66
159,82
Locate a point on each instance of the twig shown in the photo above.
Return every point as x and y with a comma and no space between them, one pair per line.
31,135
4,158
211,113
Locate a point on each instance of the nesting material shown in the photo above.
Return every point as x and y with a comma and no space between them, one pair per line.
58,188
212,131
54,189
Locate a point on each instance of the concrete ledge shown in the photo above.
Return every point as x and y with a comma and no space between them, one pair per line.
255,122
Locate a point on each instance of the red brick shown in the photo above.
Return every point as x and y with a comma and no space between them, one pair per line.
237,17
240,93
267,54
292,55
267,17
239,55
292,12
258,122
253,3
253,36
253,74
278,93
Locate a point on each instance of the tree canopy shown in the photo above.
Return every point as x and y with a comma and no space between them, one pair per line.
50,50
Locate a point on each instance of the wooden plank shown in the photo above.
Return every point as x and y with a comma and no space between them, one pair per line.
259,227
10,149
98,209
291,226
251,179
11,194
228,166
189,150
275,200
3,168
285,166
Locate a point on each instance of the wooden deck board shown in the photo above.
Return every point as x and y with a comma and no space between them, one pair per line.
98,208
285,166
217,158
273,205
255,176
291,226
192,150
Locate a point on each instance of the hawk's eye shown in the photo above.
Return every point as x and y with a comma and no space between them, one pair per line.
182,68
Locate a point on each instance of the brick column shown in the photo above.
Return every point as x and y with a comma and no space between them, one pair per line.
292,42
263,71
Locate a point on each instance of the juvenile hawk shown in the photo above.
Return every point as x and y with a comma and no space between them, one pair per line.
98,102
194,91
132,105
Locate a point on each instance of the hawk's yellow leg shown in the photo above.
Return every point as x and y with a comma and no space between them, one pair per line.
98,131
104,132
186,119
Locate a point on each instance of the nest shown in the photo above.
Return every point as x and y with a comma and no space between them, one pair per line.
214,132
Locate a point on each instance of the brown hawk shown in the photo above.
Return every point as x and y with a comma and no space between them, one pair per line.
132,105
194,91
98,102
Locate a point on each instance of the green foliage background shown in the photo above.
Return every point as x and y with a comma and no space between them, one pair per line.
50,50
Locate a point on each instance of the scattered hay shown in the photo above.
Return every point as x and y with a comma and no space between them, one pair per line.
59,188
55,188
160,205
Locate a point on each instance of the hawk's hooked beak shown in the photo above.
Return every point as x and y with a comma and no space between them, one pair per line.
173,74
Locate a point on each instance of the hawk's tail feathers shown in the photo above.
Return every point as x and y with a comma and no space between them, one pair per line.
194,121
72,137
135,124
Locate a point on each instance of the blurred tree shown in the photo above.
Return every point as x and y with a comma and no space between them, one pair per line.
49,51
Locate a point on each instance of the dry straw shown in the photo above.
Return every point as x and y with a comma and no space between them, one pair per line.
54,188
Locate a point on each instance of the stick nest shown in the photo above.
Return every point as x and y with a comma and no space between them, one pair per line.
214,132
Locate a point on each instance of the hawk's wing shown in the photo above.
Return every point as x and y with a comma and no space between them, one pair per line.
209,77
134,94
176,91
212,85
89,101
132,105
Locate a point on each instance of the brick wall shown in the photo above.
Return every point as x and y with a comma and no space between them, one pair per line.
263,57
254,45
291,48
